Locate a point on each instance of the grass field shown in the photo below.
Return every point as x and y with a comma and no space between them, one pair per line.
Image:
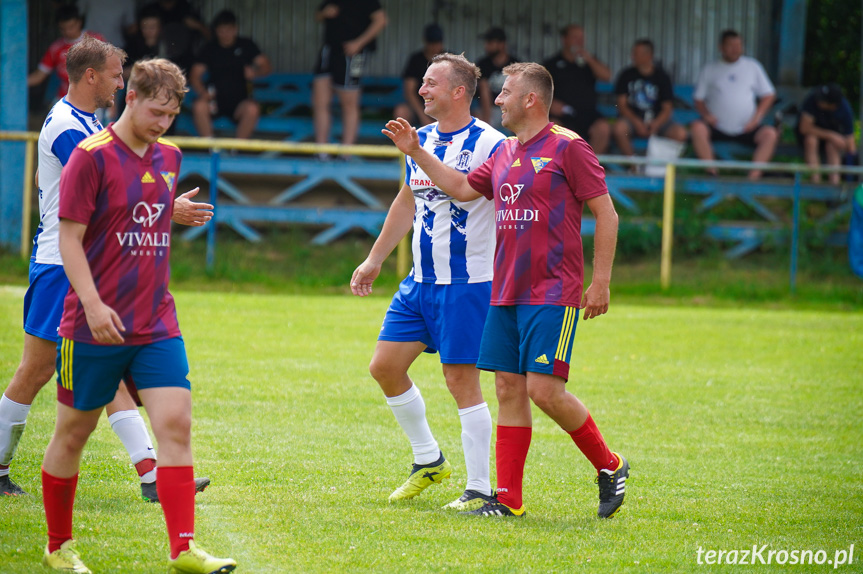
742,426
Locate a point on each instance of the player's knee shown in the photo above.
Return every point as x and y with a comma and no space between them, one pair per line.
698,129
252,109
768,134
620,129
381,370
34,374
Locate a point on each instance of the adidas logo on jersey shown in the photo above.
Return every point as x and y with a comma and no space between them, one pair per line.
516,163
542,359
147,178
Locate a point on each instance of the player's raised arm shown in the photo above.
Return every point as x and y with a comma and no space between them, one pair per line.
453,182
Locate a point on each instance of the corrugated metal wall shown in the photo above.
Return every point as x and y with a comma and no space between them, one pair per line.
685,31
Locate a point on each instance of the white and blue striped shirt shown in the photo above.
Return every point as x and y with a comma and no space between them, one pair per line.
453,241
64,128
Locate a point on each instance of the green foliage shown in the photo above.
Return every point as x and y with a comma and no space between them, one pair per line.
731,419
833,46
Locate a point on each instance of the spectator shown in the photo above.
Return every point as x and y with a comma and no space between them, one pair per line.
147,41
644,100
733,96
230,63
182,27
114,19
350,29
491,67
575,72
826,124
413,108
71,27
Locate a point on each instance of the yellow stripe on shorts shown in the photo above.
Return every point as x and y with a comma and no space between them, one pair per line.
565,332
67,348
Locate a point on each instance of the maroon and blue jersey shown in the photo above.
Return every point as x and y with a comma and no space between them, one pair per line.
126,203
539,189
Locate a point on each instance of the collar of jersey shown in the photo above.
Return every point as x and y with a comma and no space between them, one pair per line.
446,135
88,114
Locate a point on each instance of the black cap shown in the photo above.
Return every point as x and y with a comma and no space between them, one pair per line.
830,93
433,33
494,34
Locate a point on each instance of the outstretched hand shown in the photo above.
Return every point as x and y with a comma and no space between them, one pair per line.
188,212
403,135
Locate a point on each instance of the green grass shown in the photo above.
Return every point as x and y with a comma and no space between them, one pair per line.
742,427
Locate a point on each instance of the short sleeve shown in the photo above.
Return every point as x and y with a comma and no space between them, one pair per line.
620,87
846,118
79,186
666,92
763,85
65,144
253,51
701,84
583,172
48,61
480,178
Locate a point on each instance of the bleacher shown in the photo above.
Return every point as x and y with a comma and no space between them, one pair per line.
286,115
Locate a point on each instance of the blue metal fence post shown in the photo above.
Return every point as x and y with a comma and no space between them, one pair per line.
13,117
795,232
214,193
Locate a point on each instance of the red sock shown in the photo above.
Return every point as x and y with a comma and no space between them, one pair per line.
145,466
176,488
589,440
58,496
511,452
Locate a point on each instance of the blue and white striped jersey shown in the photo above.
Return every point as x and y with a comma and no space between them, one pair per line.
453,241
64,128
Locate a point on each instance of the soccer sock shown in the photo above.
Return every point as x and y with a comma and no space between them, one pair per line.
58,495
476,441
410,412
130,427
589,440
176,489
511,453
13,418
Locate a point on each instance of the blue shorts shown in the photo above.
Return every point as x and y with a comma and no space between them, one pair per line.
88,375
528,338
43,303
447,318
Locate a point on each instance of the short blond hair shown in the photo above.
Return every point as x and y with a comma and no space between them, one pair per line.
90,53
462,72
537,79
156,77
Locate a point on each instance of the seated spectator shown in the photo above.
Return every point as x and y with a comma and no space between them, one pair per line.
71,27
229,64
413,108
645,100
733,96
575,71
182,28
826,124
491,66
147,42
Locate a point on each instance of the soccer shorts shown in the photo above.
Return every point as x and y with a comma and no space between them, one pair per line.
528,338
88,375
43,302
346,71
447,318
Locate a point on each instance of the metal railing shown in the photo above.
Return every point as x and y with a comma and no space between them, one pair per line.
217,145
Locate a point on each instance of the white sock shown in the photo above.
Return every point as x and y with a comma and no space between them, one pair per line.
130,427
476,441
13,417
410,411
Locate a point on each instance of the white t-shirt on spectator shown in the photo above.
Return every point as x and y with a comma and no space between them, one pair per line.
730,91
